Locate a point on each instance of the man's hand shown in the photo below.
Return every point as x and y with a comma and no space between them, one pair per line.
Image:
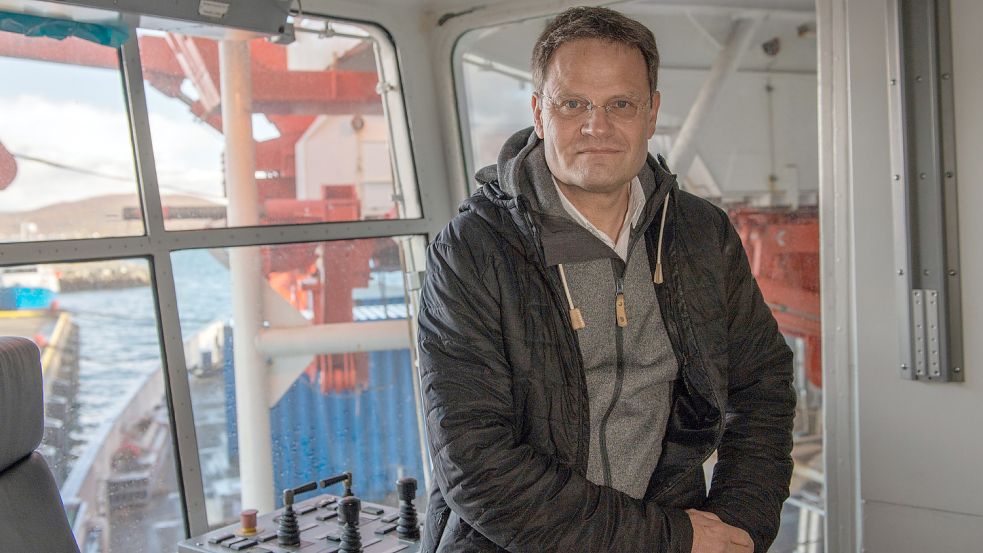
711,535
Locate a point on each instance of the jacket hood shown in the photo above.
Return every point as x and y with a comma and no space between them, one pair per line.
509,178
521,175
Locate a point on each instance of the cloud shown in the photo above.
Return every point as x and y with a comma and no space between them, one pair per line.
188,154
97,139
68,133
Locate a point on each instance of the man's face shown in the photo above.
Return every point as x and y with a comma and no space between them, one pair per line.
596,151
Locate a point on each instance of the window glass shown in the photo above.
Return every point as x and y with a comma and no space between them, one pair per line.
107,434
497,99
782,243
66,161
756,157
320,148
331,340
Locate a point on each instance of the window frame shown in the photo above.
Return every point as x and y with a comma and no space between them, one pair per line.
157,244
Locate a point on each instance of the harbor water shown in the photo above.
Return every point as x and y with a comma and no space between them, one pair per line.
118,329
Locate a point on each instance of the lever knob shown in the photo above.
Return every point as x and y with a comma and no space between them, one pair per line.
348,509
406,489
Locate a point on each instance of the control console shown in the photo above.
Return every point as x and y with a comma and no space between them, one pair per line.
323,524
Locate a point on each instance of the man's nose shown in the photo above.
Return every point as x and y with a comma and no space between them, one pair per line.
598,122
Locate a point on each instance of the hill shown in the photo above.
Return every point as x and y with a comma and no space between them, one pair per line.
94,217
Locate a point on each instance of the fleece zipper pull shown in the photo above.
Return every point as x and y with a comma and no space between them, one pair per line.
619,302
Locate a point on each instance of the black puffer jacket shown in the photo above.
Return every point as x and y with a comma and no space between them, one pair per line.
506,402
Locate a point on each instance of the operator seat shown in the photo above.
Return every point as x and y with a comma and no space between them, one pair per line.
32,516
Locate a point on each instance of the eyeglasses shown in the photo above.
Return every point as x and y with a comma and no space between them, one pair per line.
573,107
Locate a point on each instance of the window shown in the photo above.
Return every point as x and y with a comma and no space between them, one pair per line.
497,100
340,397
311,139
328,143
66,164
107,434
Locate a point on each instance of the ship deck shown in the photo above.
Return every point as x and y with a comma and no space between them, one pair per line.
28,323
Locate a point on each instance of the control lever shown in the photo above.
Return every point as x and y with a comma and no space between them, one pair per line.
348,513
345,477
288,531
408,527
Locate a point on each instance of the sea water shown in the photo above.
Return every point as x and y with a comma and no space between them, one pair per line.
118,335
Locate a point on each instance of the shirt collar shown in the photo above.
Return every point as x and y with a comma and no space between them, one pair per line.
636,205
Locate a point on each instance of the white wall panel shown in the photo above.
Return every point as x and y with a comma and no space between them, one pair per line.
920,444
901,529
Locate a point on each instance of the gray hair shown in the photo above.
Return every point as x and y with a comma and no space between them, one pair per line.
594,22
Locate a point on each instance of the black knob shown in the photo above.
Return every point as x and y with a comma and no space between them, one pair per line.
408,526
406,489
348,513
288,531
348,509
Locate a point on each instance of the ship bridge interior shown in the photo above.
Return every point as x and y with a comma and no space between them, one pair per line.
214,220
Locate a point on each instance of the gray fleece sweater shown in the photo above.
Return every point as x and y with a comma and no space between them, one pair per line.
630,368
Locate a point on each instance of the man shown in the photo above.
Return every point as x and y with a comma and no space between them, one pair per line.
589,335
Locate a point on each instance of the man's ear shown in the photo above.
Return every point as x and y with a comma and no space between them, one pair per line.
653,114
537,115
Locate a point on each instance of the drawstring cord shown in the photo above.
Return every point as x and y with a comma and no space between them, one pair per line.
576,319
657,276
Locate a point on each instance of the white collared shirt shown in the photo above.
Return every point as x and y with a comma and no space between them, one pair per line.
636,203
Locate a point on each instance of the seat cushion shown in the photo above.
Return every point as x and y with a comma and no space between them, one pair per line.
21,402
33,517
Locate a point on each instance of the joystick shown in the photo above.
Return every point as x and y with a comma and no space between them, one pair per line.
408,528
348,513
288,532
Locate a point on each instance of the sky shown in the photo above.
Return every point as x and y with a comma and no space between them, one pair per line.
76,116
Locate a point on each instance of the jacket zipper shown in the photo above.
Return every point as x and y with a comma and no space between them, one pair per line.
619,341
